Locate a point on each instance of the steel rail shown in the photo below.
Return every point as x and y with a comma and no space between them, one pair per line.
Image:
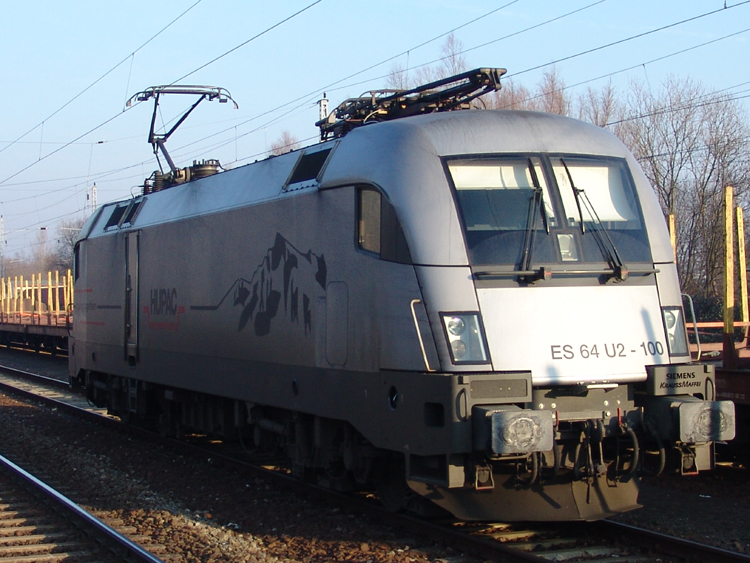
688,549
31,376
120,544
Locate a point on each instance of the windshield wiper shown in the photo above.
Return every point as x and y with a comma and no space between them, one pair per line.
540,193
546,273
608,248
536,207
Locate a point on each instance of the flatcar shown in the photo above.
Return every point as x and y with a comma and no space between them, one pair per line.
474,309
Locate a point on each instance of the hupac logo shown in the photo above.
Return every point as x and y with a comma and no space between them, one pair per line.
285,276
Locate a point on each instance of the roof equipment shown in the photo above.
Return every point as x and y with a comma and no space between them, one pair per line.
209,93
454,92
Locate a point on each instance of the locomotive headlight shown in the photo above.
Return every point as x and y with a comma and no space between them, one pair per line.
674,326
670,319
459,349
465,338
455,325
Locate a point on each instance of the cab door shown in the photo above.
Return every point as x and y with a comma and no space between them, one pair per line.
131,297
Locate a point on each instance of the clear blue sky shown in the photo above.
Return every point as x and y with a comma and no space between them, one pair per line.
54,50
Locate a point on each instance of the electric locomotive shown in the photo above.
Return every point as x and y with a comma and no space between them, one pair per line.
474,308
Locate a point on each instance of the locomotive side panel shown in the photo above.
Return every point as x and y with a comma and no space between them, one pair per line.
256,288
230,286
238,304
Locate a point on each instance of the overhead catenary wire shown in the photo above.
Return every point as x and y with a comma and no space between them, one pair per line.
579,54
413,48
325,87
437,60
95,82
233,49
504,37
641,64
330,87
674,109
306,103
315,91
626,39
66,145
692,150
183,77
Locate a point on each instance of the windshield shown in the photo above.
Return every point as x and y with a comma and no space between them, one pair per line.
497,203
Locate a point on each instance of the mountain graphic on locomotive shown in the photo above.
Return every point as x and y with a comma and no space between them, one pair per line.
477,309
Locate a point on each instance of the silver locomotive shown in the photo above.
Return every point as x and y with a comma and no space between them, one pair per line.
477,308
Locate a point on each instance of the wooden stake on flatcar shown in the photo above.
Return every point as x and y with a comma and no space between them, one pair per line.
57,294
730,354
21,296
71,292
742,265
39,294
49,298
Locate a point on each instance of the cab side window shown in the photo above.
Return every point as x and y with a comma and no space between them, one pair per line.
378,228
369,220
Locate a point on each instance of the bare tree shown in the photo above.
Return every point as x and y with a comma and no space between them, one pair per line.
691,143
36,258
510,96
599,106
452,62
16,265
284,144
67,235
42,256
551,94
398,78
427,74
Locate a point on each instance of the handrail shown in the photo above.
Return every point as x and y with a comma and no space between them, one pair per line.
695,325
419,335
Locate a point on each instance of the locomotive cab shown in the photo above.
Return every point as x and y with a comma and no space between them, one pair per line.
549,299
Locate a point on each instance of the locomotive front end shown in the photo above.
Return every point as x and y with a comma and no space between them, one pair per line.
565,333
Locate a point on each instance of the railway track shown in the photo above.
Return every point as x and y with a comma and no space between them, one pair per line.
598,542
37,523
